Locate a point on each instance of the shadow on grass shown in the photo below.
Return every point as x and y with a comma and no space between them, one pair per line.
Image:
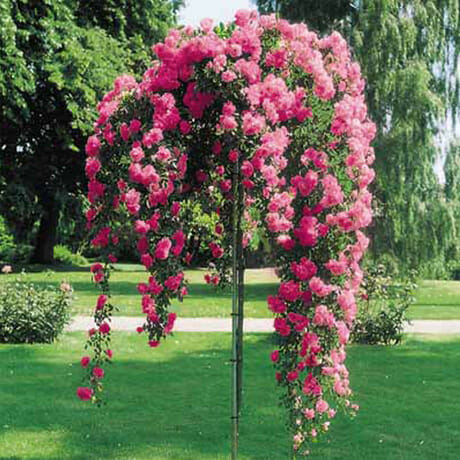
196,290
258,291
439,303
38,268
166,405
252,291
173,402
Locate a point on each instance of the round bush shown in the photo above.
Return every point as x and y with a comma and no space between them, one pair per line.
29,314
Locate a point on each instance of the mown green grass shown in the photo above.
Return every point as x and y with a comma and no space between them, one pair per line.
435,299
203,300
173,402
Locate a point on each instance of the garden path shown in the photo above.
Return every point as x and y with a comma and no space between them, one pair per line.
129,323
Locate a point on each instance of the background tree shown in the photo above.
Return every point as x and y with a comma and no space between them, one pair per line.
147,20
409,53
57,59
452,193
321,15
452,171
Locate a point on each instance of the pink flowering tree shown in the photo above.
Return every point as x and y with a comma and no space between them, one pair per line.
268,105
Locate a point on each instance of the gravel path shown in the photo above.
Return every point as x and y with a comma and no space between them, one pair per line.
129,323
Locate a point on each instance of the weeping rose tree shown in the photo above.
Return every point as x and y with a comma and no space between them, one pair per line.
287,108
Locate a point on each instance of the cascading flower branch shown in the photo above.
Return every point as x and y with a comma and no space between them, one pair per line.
272,107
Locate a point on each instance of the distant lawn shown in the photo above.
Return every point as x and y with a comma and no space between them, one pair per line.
203,299
435,299
173,402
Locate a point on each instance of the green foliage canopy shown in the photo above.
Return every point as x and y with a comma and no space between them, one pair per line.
57,59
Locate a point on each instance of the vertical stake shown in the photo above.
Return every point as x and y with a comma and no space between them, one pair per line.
237,307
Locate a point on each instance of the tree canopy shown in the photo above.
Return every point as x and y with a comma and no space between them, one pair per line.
57,59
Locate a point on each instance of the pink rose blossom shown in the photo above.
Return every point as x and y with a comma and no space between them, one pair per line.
132,200
185,127
125,133
93,166
275,356
175,209
206,25
135,126
141,226
323,316
289,291
137,154
233,155
321,406
217,251
152,137
225,185
98,372
92,146
101,301
104,328
320,288
311,386
147,260
337,267
304,270
85,393
247,169
228,76
173,282
162,249
276,305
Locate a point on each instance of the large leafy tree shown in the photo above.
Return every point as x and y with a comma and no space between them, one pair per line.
57,58
148,20
452,193
409,51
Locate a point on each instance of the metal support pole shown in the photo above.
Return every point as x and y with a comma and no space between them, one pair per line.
240,292
237,307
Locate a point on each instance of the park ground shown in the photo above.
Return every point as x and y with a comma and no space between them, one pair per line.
434,299
173,402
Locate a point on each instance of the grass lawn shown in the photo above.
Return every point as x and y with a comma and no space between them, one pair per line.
173,402
203,299
435,299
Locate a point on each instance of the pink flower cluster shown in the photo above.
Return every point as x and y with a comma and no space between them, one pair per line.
171,137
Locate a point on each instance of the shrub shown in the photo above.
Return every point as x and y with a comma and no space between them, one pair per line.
6,241
20,254
435,269
383,307
63,255
29,314
11,252
453,268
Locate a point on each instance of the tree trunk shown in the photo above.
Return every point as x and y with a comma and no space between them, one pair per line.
47,232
